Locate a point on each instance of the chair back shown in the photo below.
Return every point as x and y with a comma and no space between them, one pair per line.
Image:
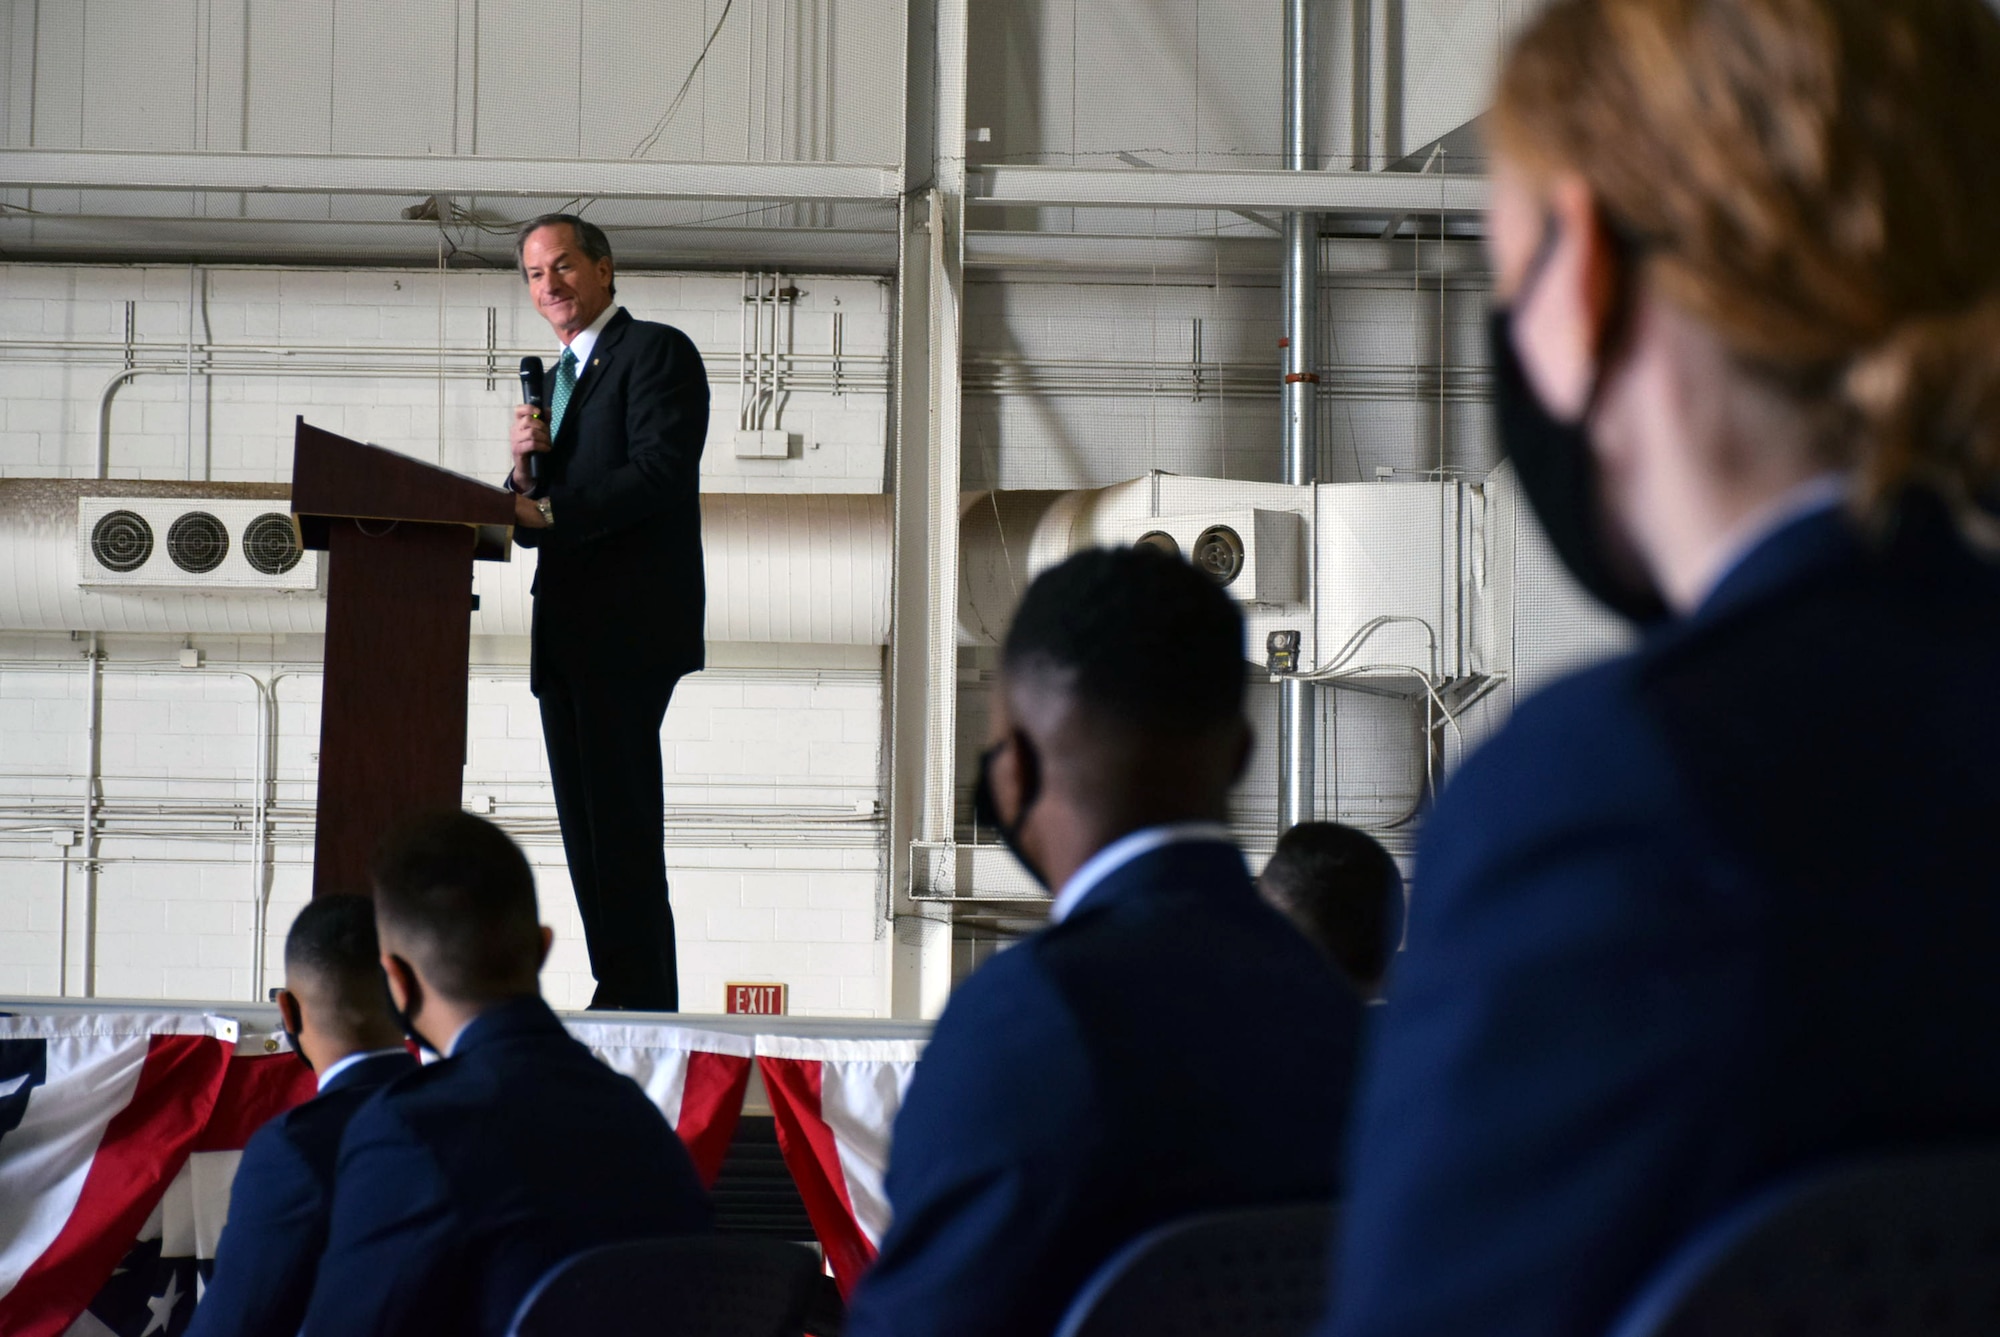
686,1286
1891,1247
1255,1272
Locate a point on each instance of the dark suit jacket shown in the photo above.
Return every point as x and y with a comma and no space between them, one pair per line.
461,1184
1173,1046
278,1209
619,587
1696,919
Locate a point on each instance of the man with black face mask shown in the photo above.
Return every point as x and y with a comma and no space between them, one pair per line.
336,1013
1170,1044
461,1185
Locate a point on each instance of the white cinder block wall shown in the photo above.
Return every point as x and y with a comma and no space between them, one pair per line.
773,756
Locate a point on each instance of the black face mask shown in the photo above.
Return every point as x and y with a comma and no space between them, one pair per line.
292,1039
987,813
1558,470
402,1018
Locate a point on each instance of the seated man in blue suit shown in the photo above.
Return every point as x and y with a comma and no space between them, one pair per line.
1345,893
462,1184
1170,1044
337,1015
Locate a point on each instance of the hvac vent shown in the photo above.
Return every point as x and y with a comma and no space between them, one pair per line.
271,544
220,545
121,541
198,543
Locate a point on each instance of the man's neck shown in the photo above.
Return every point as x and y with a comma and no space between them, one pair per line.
355,1047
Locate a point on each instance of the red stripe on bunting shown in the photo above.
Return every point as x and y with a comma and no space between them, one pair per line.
144,1147
711,1105
256,1089
812,1154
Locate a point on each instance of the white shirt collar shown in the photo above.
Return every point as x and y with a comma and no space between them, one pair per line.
353,1059
1124,850
1822,492
587,338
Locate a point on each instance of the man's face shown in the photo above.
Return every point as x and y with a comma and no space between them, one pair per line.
568,287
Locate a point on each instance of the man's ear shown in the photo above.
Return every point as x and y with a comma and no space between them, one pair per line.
289,1011
1022,762
548,941
1246,744
403,987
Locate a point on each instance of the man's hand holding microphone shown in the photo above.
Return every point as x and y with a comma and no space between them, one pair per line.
530,443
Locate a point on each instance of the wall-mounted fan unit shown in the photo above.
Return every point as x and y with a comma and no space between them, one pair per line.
1253,553
183,543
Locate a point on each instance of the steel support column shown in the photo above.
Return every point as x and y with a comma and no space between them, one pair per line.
1297,737
923,643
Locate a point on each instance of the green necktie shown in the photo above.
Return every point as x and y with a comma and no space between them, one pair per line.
565,387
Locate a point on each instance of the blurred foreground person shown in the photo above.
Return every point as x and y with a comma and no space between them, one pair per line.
1169,1044
337,1015
1344,892
1724,907
460,1185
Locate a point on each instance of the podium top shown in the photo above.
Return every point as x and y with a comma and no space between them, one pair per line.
333,478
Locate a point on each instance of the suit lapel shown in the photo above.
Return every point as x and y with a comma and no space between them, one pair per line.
600,361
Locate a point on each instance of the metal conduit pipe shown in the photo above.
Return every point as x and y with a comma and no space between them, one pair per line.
1296,735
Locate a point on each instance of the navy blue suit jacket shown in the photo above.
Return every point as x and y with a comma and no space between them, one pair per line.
461,1184
619,585
278,1209
1697,918
1173,1046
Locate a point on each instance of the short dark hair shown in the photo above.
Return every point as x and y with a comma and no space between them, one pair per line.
334,939
590,239
1144,637
459,895
1341,887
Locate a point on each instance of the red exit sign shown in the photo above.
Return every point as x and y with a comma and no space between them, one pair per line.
756,1000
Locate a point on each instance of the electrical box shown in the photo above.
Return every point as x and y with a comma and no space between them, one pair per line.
763,445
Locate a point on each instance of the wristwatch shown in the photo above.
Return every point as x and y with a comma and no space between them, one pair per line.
548,512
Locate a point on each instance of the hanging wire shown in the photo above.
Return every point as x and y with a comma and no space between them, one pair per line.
659,127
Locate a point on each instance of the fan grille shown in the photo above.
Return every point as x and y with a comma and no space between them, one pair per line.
1219,552
121,541
197,542
271,544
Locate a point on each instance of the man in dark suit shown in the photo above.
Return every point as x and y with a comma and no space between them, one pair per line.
1344,892
462,1184
337,1015
1170,1044
616,518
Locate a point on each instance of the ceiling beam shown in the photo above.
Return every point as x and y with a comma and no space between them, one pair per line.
420,176
1371,193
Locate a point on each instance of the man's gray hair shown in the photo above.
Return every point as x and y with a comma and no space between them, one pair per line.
590,238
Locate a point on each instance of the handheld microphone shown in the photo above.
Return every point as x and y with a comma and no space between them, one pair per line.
531,395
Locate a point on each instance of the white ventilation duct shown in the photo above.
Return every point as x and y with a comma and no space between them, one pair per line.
785,568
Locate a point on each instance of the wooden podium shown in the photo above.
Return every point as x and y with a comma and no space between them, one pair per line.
400,538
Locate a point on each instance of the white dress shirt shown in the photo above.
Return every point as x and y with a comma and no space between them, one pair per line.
586,339
1124,850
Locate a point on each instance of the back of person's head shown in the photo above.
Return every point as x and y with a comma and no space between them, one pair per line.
456,899
333,963
1344,891
1138,638
1811,180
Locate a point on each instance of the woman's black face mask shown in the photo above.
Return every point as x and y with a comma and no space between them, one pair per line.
1558,468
